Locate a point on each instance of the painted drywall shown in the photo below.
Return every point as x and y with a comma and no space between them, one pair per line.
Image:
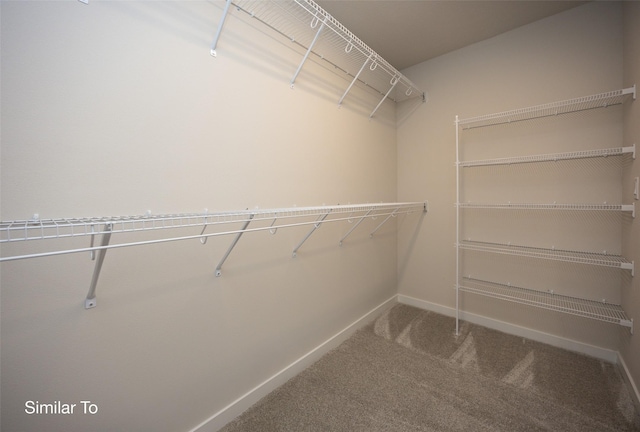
630,346
569,55
117,108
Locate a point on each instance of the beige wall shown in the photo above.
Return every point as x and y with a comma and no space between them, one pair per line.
573,54
630,348
116,108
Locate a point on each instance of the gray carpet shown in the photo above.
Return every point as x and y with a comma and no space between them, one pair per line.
409,372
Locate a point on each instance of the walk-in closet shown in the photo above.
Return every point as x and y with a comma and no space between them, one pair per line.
287,215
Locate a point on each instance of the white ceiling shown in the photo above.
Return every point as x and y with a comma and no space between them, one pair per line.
408,32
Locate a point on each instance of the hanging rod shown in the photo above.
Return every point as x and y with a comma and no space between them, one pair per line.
47,229
597,310
308,25
601,100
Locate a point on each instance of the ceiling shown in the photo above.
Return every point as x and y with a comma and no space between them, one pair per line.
408,32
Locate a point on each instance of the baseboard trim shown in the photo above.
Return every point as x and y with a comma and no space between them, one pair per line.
549,339
632,385
244,402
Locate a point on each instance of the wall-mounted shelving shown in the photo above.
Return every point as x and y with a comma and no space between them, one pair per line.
583,307
188,226
305,23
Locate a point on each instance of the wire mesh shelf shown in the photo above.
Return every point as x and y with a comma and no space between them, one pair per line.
307,24
42,229
553,157
596,310
601,100
579,257
552,206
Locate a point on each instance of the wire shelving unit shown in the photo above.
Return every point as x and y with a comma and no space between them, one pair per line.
547,300
598,310
188,226
307,24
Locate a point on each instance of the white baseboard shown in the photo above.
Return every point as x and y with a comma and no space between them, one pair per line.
627,376
244,402
546,338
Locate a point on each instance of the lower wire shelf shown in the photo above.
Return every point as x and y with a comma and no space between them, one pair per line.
596,310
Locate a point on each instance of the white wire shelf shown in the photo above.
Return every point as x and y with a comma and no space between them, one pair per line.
596,310
579,257
553,206
553,157
177,229
42,229
305,23
601,100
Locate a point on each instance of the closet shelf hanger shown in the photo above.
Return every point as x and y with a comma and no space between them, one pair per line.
186,226
305,23
601,100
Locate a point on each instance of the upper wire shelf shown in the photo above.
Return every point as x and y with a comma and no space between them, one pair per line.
601,100
552,206
553,157
41,229
598,310
307,24
579,257
271,220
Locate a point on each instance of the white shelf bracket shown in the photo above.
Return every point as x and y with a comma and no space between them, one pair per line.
393,83
393,214
233,244
355,226
355,78
627,323
631,91
214,44
315,227
630,208
90,301
306,55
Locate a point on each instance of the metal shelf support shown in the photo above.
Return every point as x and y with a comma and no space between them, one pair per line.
315,227
233,244
90,301
355,226
214,44
310,49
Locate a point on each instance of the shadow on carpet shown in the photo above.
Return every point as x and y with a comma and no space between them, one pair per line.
409,372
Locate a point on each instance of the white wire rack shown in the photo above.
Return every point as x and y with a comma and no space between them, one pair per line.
553,206
305,23
598,310
553,157
601,100
579,257
180,227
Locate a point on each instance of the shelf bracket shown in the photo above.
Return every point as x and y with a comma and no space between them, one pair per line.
631,91
630,149
630,208
627,323
306,55
393,83
90,301
393,214
214,44
315,227
233,244
629,266
355,78
355,226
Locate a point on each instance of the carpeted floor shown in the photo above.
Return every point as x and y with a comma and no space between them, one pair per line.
409,372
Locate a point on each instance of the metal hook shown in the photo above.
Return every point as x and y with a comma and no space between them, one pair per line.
409,91
394,80
314,22
203,240
349,47
271,229
373,66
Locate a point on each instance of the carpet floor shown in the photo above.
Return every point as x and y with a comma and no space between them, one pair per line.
408,371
